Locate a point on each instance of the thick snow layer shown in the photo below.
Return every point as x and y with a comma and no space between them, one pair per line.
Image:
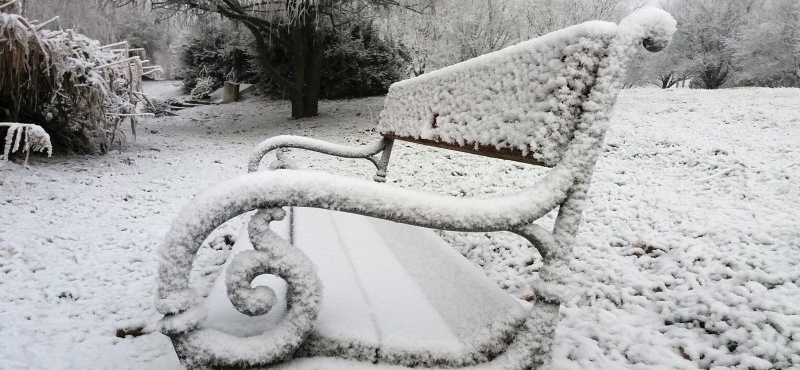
686,257
539,83
529,97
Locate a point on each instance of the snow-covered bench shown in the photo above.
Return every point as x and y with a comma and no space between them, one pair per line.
362,284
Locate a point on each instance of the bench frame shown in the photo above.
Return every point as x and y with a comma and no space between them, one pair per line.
565,186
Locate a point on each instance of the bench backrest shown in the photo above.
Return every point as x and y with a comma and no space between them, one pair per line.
522,103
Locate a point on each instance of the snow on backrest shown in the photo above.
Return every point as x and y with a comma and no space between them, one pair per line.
526,98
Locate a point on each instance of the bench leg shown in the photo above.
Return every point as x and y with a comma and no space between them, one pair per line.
383,163
538,336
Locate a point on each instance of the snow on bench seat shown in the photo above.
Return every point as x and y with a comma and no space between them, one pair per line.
389,289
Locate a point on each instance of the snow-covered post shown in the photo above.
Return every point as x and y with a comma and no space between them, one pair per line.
230,92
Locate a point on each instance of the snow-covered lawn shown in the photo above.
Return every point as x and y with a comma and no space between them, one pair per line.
687,257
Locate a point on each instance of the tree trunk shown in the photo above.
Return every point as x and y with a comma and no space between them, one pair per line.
307,55
304,42
713,76
665,80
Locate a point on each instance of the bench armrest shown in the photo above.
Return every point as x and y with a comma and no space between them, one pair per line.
320,146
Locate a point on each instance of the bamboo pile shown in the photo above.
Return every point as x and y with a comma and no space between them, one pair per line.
79,91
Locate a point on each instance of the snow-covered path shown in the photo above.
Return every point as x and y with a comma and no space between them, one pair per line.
687,257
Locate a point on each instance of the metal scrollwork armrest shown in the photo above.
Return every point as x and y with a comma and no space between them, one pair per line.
368,151
267,191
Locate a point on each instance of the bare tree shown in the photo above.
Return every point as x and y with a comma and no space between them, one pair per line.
544,16
460,30
671,78
704,33
420,33
767,50
480,27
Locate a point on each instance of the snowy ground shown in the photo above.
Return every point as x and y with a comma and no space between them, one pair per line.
686,259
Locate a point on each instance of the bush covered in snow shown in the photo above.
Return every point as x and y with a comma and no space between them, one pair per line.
360,62
203,87
77,90
217,50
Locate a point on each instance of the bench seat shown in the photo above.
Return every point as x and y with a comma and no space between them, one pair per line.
389,289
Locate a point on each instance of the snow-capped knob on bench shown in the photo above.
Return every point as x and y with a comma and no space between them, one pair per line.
653,26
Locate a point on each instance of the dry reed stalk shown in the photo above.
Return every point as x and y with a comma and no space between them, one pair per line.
44,24
117,62
114,44
8,4
126,50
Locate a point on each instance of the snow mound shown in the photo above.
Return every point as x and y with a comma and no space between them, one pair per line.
34,137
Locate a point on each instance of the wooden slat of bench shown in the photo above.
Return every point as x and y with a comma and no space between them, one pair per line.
483,150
